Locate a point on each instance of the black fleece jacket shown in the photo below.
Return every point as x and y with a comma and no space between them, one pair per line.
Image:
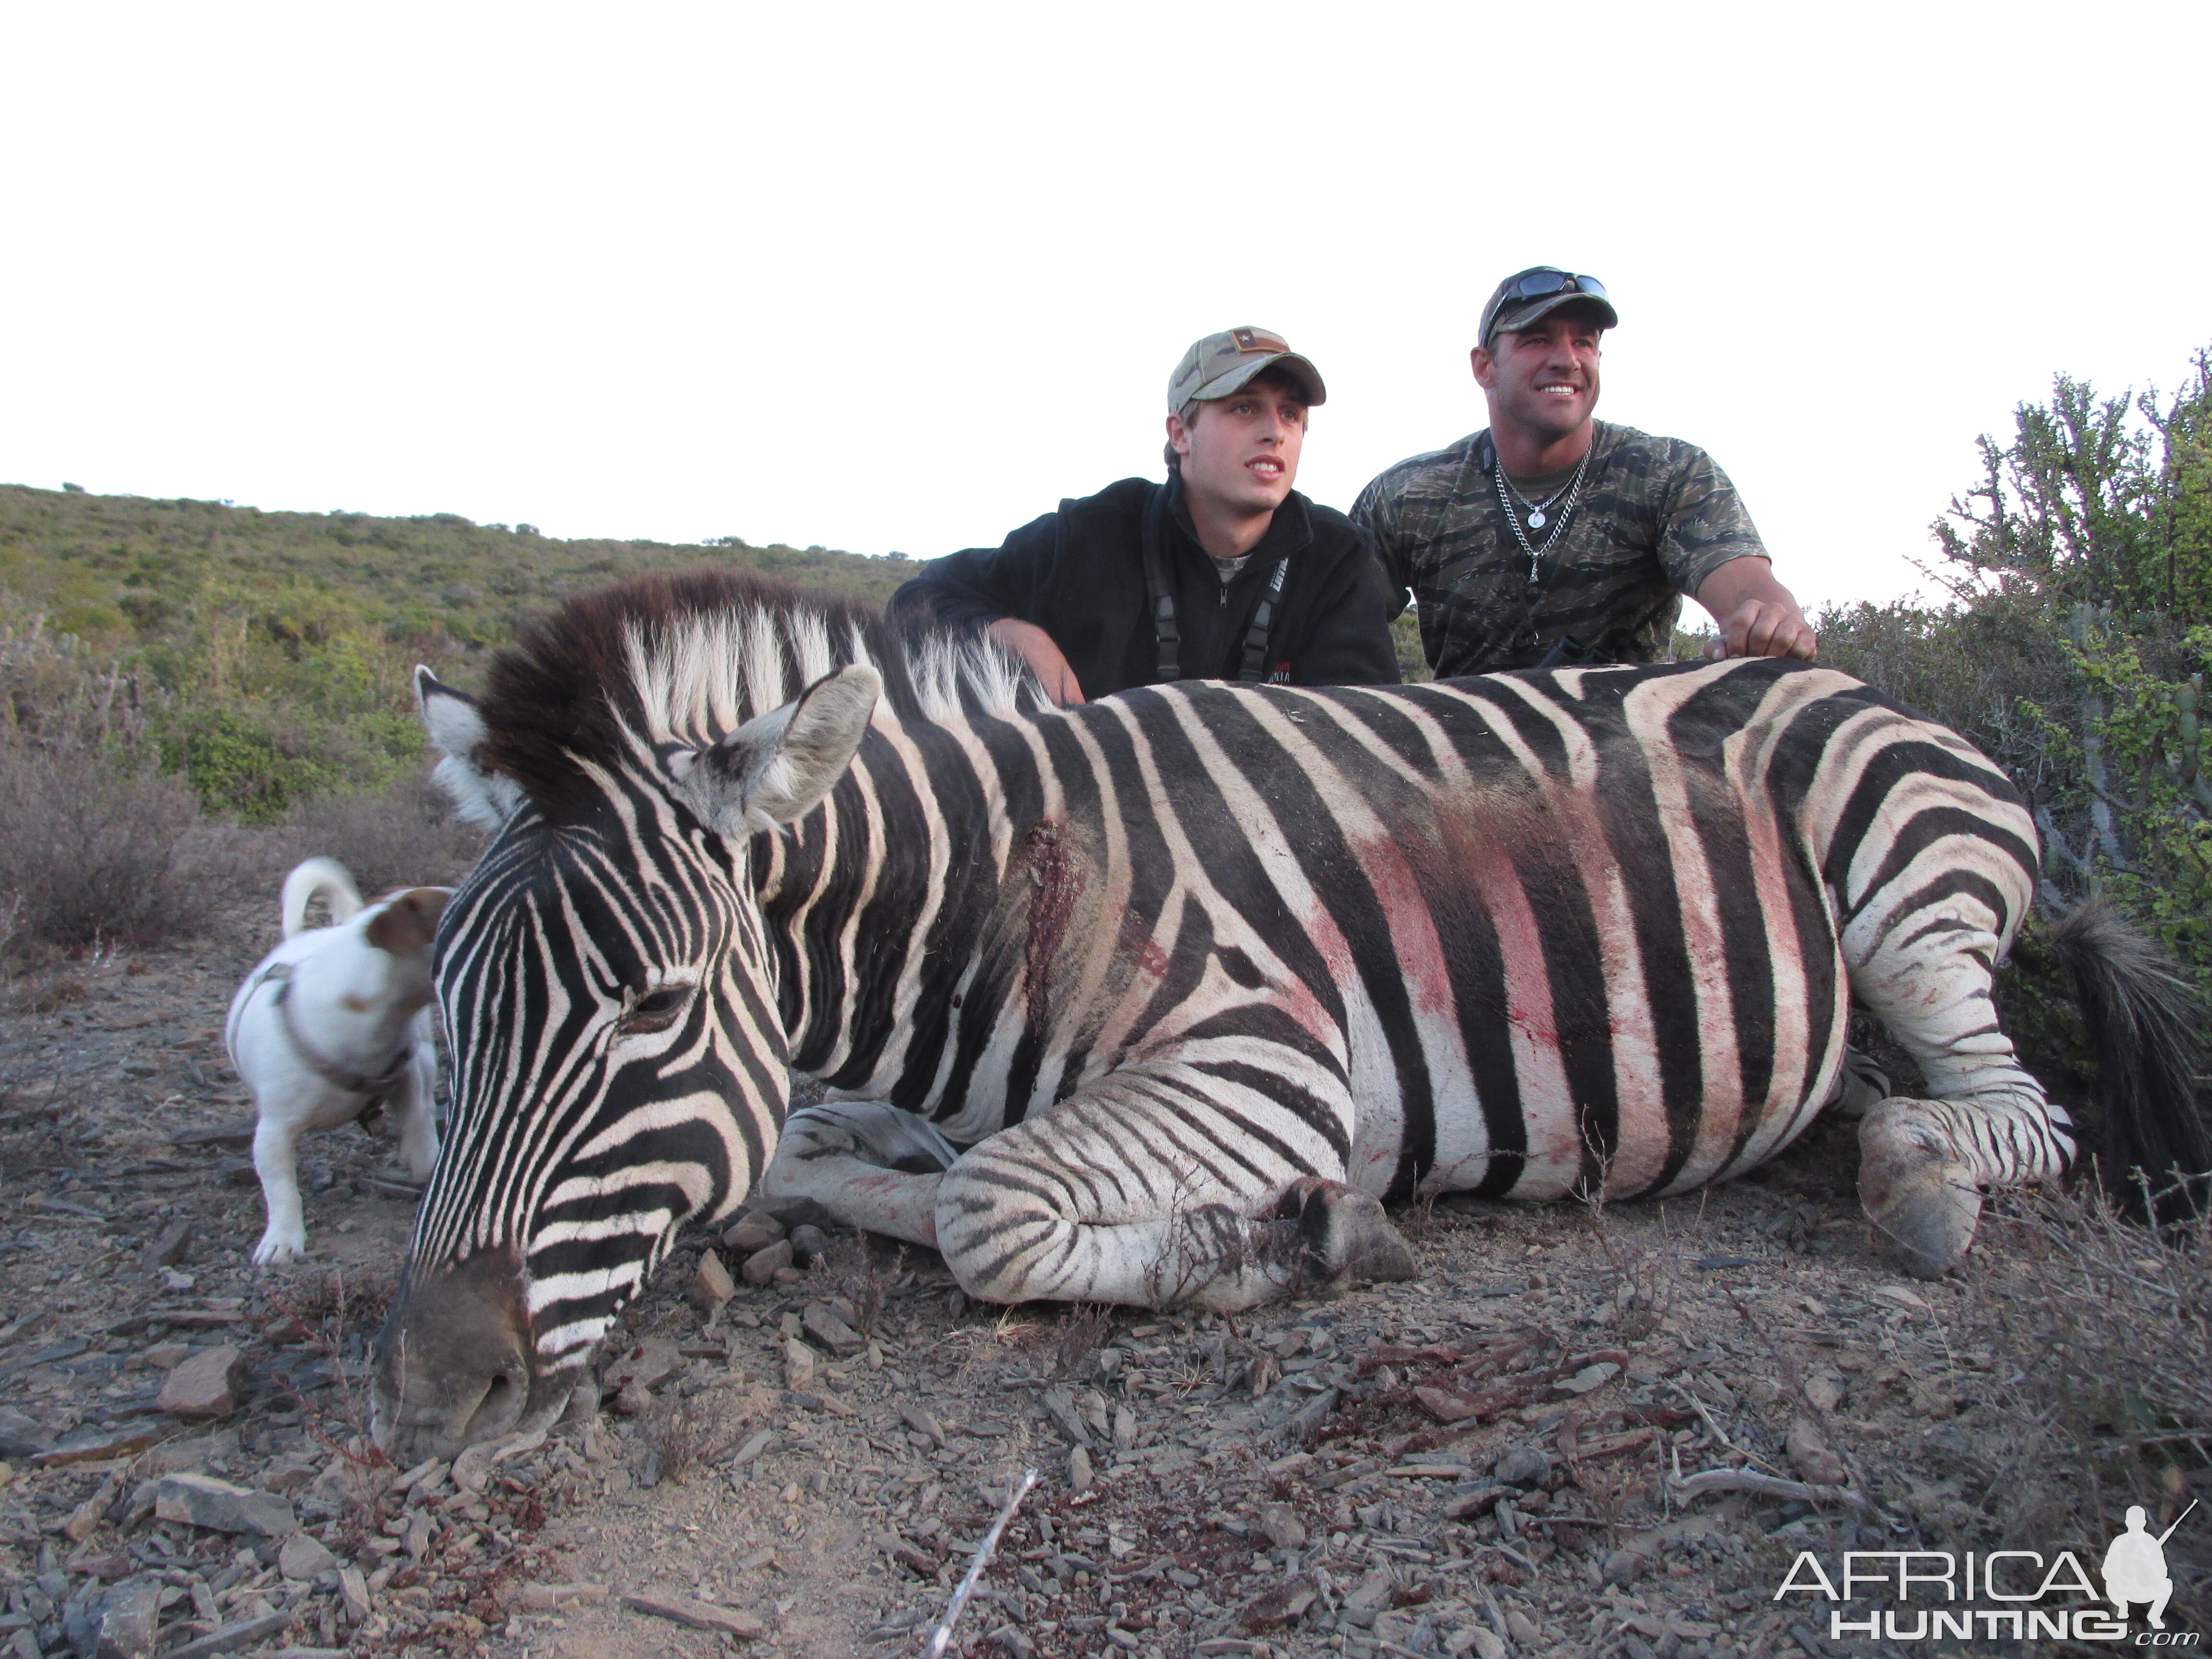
1078,573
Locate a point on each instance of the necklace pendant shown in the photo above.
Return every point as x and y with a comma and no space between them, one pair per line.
1536,518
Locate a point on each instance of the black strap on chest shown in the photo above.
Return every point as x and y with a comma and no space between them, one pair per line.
1263,621
1156,586
1257,638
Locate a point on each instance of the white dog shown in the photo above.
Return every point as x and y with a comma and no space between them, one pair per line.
336,1019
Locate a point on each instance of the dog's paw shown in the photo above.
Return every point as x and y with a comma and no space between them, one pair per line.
275,1247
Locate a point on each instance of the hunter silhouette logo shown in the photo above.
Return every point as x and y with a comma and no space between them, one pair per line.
2135,1566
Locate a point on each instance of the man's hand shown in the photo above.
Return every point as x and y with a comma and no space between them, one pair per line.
1757,615
1036,647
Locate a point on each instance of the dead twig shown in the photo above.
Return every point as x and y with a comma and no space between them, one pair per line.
1451,1407
941,1637
1505,1550
1767,1486
1714,1428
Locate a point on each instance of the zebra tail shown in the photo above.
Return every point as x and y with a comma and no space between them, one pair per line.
2143,1022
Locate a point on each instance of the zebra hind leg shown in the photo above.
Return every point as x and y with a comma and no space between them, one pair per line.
1915,1187
1923,1162
869,1163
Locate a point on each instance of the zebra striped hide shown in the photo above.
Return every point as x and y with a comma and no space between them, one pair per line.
1199,976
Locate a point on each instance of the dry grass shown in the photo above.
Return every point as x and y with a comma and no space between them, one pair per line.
2102,1344
330,1309
1062,1348
404,836
331,1302
682,1435
849,1273
2121,1338
95,853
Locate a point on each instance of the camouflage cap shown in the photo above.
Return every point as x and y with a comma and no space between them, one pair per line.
1528,296
1229,361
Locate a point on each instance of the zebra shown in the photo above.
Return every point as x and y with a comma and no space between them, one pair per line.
1161,999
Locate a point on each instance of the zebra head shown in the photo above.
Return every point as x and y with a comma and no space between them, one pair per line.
618,1063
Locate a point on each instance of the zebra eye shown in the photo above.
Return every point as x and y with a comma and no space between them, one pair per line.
656,1010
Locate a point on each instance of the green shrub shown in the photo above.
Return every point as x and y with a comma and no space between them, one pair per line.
235,765
2074,650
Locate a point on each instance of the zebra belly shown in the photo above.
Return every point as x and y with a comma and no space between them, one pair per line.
1633,1142
1573,1014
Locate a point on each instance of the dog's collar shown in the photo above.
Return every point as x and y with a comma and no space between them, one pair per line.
352,1082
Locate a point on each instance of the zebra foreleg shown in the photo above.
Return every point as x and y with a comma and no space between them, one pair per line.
1127,1193
870,1165
1317,1235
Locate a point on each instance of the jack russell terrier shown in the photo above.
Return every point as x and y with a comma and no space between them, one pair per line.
334,1021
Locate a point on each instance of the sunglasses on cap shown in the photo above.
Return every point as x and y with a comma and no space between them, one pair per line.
1539,283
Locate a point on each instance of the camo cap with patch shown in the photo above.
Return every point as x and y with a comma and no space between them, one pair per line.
1229,361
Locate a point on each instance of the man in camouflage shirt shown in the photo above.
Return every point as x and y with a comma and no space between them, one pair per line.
1553,539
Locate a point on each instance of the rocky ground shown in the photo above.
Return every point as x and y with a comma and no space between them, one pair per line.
1581,1430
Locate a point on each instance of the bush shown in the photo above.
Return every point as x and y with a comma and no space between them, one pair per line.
92,853
234,764
2074,652
2077,643
405,836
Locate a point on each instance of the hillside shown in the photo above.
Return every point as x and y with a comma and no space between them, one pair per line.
263,657
124,571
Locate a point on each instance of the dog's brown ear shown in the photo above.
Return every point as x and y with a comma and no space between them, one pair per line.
409,921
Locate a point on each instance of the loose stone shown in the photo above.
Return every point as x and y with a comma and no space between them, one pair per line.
752,1232
303,1557
763,1264
204,1388
711,1286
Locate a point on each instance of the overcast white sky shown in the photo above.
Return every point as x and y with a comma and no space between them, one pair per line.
899,278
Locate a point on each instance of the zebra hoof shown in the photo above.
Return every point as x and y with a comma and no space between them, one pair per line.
1924,1199
1347,1238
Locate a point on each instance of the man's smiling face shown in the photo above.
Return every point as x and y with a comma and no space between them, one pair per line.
1543,378
1241,451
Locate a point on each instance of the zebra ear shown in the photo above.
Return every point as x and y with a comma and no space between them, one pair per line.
457,727
776,767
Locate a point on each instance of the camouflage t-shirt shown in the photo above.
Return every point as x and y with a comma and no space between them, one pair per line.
1653,518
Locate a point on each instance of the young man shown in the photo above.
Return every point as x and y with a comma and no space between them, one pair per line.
1554,538
1225,572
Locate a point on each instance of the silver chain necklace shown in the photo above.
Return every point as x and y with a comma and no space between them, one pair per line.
1507,494
1537,509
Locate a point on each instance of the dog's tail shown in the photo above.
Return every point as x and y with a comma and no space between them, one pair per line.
325,875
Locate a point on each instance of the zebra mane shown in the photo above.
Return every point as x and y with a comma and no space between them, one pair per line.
690,658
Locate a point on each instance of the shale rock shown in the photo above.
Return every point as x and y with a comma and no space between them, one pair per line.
201,1500
303,1557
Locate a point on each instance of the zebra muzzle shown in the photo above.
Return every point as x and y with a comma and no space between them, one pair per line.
453,1362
